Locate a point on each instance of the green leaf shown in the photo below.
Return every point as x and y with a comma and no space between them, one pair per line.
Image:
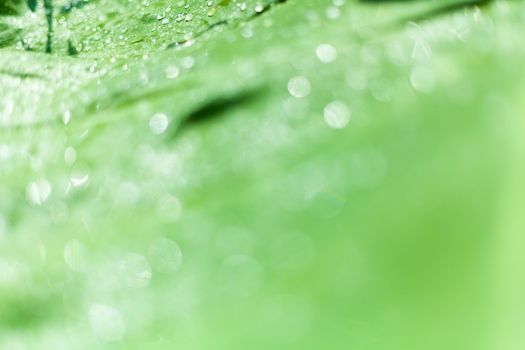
263,175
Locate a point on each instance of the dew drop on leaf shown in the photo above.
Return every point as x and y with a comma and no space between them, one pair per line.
337,115
299,87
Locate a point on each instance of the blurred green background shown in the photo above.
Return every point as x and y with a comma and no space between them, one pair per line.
261,174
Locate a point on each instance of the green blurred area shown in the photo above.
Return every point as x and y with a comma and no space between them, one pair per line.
304,174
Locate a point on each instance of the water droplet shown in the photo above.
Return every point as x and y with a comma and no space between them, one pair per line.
80,175
247,32
188,62
337,115
333,12
106,322
158,123
37,192
66,117
172,72
326,53
299,87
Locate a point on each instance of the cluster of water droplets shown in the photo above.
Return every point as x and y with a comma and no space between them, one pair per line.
93,181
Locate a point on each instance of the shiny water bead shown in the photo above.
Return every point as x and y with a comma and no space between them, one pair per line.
106,322
326,53
158,123
172,72
259,8
333,12
337,115
188,62
80,175
299,87
37,192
